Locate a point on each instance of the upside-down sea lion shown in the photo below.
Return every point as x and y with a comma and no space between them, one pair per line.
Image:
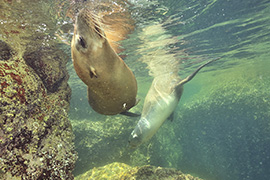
160,102
112,87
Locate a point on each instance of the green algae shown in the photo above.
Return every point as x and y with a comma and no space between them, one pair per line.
230,110
30,143
125,172
36,136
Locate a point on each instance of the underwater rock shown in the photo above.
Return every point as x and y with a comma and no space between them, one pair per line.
122,171
49,64
225,130
99,142
5,51
36,138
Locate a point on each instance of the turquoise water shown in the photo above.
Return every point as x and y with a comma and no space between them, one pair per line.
222,124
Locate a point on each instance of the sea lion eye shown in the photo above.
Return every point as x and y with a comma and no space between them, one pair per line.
82,42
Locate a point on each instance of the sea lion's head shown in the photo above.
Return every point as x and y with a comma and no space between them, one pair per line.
140,134
111,85
88,45
88,33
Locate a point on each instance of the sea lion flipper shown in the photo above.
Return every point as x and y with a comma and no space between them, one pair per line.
93,72
137,101
130,114
171,117
187,79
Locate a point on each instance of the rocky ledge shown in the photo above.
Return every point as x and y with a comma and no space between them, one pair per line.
36,138
125,172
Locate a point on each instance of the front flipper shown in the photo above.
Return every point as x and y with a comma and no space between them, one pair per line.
171,117
130,114
137,101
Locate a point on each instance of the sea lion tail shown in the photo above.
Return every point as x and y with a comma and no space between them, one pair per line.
187,79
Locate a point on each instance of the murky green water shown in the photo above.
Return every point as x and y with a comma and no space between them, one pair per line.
221,128
223,117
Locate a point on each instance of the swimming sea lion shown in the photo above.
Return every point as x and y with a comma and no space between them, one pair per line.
160,102
112,87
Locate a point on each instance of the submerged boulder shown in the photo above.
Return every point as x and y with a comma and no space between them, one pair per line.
49,64
123,171
225,130
5,51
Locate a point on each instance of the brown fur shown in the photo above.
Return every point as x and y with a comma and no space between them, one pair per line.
112,87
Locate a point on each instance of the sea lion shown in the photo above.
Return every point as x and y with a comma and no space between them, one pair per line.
111,85
160,102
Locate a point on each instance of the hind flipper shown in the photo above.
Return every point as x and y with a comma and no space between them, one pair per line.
171,117
187,79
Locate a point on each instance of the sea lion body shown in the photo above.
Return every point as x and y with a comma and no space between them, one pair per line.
160,102
111,85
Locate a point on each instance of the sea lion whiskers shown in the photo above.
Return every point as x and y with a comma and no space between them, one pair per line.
103,27
94,22
98,26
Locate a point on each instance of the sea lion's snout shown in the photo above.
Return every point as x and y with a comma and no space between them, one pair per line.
90,24
140,133
80,43
88,34
134,140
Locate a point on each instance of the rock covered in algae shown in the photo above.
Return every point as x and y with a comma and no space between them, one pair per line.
45,62
100,142
225,130
36,139
125,172
5,51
